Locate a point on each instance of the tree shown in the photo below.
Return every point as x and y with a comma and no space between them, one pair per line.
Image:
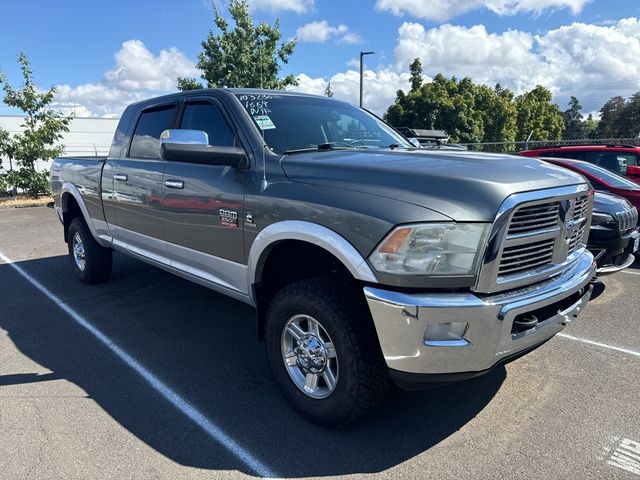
246,56
416,74
468,112
538,114
609,117
327,91
590,127
573,127
43,129
628,121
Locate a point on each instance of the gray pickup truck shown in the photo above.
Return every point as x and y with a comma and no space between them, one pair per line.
367,260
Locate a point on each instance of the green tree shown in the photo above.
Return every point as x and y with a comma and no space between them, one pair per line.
573,127
327,91
538,114
246,55
498,112
590,127
43,129
416,74
628,122
609,127
468,112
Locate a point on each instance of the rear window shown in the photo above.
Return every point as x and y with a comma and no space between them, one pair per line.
146,137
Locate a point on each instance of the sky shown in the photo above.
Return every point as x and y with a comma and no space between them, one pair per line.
103,55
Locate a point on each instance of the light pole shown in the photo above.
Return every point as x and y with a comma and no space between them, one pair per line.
362,54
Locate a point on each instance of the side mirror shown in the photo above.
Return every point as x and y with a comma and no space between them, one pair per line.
192,146
415,142
633,171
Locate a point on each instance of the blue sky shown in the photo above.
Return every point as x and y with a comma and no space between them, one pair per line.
588,53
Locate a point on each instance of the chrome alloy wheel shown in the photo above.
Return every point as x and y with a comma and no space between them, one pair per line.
309,356
79,254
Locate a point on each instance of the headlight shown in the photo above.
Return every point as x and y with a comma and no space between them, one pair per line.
432,249
599,218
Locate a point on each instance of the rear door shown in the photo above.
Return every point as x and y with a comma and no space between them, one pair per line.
137,186
203,204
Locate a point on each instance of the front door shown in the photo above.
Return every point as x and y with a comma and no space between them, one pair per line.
203,205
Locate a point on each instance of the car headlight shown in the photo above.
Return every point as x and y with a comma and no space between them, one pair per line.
598,218
432,249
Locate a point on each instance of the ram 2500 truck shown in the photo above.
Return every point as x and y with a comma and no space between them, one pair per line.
367,260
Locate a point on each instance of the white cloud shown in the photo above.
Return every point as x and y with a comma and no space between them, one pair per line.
380,87
297,6
321,31
591,62
137,74
442,10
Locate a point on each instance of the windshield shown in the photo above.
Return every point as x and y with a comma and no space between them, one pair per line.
607,176
291,122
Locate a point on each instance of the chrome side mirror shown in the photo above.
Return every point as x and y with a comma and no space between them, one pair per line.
188,137
192,146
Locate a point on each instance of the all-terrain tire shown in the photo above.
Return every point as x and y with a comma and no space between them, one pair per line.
362,380
90,261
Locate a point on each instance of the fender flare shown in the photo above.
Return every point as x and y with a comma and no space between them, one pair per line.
308,232
70,189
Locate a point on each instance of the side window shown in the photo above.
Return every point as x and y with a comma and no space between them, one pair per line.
607,160
146,137
207,117
627,160
570,154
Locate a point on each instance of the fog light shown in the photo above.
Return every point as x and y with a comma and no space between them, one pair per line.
449,334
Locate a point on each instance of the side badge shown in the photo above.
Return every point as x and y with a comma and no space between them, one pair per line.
248,220
228,218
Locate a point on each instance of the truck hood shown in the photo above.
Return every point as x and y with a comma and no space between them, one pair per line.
465,186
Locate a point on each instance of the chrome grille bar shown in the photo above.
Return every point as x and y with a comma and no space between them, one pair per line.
536,235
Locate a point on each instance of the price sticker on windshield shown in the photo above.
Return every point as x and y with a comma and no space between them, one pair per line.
264,122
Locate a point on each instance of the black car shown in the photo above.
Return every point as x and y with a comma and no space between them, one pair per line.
613,232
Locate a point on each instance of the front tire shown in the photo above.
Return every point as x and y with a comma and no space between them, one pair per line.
324,353
90,261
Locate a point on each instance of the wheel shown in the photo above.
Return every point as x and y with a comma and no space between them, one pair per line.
324,353
90,261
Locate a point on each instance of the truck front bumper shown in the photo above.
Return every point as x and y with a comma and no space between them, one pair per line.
443,337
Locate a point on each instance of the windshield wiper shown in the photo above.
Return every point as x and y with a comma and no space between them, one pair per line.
323,146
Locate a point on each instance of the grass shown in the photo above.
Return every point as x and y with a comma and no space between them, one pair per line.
22,202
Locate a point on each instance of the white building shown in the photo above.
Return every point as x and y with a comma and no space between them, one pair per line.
86,136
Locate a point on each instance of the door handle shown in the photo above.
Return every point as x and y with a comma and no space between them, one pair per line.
121,177
174,184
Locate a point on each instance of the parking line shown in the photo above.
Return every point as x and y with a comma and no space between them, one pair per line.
208,426
631,273
599,344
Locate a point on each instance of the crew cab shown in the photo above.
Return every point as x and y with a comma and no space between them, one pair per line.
367,260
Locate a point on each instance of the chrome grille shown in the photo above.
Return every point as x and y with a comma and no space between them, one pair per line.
536,235
534,217
521,258
627,219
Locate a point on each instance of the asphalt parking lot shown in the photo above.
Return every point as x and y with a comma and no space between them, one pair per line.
150,376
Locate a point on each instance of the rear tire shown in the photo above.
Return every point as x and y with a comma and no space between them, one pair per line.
344,350
90,261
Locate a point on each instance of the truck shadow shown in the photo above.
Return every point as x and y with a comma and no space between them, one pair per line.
203,346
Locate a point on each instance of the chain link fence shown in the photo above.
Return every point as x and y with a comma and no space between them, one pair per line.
515,147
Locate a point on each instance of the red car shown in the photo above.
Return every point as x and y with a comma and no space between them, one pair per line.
601,179
620,159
